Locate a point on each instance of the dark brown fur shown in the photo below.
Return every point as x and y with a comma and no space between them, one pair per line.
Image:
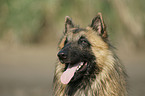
104,76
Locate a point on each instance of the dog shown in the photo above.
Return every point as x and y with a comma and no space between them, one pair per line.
88,65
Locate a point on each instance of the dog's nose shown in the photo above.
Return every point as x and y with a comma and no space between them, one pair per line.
62,55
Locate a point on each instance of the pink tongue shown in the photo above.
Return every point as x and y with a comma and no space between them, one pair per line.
68,74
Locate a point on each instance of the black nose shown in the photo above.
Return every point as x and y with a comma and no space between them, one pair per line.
62,55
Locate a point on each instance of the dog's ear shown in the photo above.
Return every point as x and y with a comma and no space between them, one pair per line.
99,26
68,24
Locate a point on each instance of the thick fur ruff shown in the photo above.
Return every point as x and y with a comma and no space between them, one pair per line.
105,75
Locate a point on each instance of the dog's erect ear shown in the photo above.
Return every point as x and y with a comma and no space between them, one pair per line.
99,26
68,24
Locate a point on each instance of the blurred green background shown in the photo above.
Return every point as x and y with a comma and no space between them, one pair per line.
31,29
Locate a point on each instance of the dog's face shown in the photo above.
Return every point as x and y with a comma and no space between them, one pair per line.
76,55
76,50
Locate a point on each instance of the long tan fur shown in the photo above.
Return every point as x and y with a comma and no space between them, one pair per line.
111,81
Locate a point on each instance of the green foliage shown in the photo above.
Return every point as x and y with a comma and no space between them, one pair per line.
34,20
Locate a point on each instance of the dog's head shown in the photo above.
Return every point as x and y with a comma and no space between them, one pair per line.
81,50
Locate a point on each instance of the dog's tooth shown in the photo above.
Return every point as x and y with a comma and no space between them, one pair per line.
78,67
81,63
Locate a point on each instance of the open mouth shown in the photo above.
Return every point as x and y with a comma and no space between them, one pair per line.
71,71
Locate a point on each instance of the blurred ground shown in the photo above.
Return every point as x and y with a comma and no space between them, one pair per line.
134,61
28,70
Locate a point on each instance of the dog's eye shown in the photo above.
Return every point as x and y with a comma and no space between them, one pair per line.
83,41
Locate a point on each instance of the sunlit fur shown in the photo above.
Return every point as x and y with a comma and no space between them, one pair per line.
111,80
